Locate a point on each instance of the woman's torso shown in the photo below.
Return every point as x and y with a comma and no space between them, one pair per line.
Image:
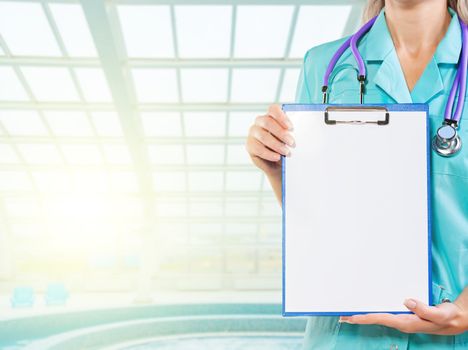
449,176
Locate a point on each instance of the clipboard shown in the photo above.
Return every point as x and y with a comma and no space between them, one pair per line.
356,209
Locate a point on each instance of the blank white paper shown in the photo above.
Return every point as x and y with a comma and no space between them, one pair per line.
356,213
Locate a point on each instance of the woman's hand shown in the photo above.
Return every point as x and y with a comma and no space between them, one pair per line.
443,319
268,139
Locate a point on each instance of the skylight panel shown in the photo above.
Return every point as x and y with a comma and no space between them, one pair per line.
237,154
241,233
240,122
128,207
22,123
206,260
205,154
14,181
161,124
116,153
91,181
174,233
170,181
243,180
22,207
171,208
166,154
201,181
50,83
240,260
211,23
40,153
262,31
269,233
11,88
288,90
25,29
205,233
242,207
74,29
270,208
68,123
21,229
205,124
7,154
155,85
107,123
93,84
204,85
254,85
147,30
269,262
52,181
124,181
78,154
206,207
311,22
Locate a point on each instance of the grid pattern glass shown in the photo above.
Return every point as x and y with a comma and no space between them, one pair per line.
122,131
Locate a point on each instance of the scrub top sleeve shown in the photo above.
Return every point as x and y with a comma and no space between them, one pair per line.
303,94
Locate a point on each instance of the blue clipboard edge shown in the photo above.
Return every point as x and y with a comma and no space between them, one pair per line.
391,107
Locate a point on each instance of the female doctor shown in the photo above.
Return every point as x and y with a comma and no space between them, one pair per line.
411,54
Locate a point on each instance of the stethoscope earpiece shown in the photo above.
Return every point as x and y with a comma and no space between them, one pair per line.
446,142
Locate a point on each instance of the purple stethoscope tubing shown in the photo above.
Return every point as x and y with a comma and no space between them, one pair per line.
459,83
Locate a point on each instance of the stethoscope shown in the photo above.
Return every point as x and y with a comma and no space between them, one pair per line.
446,141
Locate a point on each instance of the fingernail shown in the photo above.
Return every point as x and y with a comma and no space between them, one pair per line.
410,303
290,141
288,124
347,320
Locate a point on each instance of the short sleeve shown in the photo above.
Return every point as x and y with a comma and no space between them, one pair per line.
302,90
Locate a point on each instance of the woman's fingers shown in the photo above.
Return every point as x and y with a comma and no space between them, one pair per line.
268,140
402,322
431,313
272,125
269,137
277,113
257,149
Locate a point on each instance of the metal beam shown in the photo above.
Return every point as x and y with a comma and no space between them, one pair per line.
211,2
96,15
118,140
235,2
155,62
122,167
49,61
205,106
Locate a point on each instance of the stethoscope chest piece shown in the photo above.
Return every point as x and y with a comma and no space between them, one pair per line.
446,142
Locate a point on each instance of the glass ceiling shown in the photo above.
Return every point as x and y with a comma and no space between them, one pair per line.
116,113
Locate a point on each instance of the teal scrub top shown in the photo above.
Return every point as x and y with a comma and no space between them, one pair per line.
449,176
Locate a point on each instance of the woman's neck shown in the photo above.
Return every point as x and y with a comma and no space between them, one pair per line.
416,25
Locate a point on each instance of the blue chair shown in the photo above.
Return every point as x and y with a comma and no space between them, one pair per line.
132,261
56,294
22,297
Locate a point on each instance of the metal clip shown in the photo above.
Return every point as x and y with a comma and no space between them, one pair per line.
324,92
362,87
